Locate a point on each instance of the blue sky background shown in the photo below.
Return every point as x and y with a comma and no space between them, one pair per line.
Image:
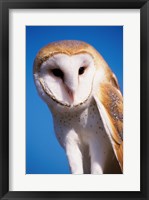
44,155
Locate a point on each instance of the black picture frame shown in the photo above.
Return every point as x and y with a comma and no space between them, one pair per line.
5,5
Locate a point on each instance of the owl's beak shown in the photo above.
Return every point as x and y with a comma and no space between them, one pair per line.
70,93
71,85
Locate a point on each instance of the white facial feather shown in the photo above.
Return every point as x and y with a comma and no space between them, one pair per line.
79,85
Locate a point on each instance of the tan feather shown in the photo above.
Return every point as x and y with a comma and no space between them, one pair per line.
111,99
68,47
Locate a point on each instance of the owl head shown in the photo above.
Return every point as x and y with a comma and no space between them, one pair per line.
67,73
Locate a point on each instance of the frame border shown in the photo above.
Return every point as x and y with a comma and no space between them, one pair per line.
5,5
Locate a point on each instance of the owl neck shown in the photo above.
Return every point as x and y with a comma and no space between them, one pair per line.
61,109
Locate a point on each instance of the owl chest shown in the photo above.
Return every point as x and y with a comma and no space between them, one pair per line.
80,126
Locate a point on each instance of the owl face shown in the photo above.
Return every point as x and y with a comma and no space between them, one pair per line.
66,80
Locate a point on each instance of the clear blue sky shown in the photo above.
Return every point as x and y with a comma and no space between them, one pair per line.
44,155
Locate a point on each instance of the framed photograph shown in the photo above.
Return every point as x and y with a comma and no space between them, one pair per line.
74,99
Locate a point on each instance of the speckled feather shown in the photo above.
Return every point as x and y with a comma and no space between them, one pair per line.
88,125
112,100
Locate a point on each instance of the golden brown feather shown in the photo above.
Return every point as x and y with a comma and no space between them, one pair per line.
68,47
112,100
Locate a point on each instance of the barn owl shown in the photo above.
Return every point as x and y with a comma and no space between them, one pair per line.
86,104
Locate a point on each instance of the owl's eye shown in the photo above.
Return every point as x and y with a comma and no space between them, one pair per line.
82,70
57,73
